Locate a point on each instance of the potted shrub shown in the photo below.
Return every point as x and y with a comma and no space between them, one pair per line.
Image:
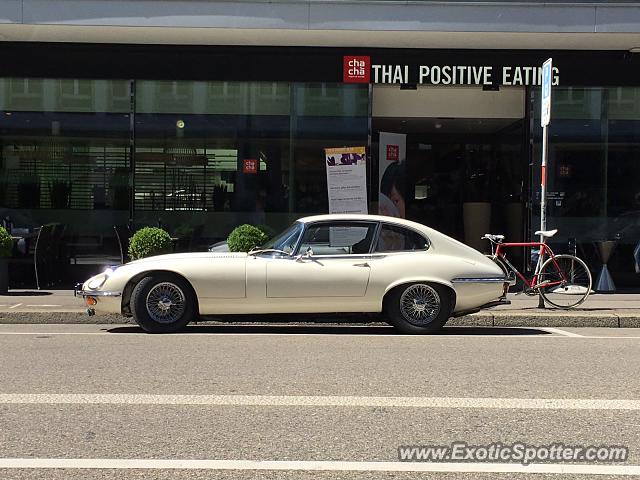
149,241
245,237
6,245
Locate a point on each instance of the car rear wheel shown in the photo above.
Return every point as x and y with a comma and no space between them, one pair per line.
162,303
419,308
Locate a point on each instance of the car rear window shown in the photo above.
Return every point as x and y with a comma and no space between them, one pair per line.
394,238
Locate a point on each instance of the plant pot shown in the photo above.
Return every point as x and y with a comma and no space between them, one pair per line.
4,276
477,221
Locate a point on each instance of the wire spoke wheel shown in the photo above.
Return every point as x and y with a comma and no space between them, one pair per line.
420,304
564,281
165,303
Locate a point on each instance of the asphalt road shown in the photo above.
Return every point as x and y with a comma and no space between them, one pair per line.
93,397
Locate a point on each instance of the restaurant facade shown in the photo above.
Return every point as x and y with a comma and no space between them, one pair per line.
201,138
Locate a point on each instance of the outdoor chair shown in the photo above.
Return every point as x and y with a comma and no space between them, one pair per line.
44,254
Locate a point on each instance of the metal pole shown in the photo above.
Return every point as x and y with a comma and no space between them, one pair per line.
543,200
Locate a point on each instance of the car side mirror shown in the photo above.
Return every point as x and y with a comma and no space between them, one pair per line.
306,255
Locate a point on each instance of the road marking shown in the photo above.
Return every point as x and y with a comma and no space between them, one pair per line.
343,466
43,305
16,305
560,332
320,401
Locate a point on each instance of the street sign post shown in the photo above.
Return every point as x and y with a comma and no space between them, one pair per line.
545,118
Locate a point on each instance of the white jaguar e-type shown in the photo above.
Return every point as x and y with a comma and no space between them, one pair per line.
416,276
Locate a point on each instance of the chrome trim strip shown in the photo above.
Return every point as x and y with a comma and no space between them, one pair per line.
479,280
97,293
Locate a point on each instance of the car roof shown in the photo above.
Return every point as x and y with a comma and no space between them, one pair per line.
361,217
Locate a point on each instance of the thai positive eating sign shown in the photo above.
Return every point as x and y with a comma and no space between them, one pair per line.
360,69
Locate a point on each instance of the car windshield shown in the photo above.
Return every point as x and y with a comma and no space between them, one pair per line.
286,241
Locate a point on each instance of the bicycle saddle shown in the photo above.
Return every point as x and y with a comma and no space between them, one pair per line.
547,233
493,238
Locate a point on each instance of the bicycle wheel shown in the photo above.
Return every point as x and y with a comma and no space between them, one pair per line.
568,281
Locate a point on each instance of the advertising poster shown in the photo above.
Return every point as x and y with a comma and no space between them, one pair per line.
347,187
347,179
393,177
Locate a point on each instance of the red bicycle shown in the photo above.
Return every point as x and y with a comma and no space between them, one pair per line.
564,281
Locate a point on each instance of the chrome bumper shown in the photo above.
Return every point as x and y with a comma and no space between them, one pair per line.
78,292
480,280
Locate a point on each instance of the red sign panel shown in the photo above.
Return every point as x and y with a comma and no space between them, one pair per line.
249,165
356,69
393,153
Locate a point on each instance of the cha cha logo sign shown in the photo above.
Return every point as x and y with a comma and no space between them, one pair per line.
359,69
356,69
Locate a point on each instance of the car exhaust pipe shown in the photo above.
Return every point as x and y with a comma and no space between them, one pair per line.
91,312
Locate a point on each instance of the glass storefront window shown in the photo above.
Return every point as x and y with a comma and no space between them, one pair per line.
196,140
65,160
593,194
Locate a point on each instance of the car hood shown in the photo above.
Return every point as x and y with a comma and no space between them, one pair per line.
189,256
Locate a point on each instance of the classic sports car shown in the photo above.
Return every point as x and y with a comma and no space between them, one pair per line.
416,276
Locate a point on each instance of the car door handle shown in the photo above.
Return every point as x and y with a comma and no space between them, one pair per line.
365,264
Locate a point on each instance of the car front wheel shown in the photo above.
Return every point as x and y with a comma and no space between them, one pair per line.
419,308
162,303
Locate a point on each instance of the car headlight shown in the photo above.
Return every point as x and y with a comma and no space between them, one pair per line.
97,281
109,270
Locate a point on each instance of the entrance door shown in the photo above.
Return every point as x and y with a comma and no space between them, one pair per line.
465,157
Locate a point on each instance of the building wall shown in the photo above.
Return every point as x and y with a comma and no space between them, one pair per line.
413,24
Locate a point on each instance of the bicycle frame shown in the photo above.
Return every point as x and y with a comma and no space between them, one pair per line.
544,250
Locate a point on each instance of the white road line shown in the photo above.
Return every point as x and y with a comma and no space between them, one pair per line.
319,401
561,332
42,305
16,305
292,465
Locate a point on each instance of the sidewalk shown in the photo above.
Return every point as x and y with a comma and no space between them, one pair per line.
612,310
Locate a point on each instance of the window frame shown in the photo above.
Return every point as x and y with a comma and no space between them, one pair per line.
398,225
338,223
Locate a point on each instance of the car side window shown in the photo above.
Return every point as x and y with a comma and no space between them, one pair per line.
394,238
338,238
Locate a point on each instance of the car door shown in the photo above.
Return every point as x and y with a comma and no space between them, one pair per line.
332,260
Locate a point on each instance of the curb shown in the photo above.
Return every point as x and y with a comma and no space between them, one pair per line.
481,319
35,318
549,319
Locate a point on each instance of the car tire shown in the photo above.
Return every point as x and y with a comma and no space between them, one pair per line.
162,303
419,308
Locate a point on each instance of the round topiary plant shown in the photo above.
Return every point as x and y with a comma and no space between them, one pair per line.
6,244
149,241
245,237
